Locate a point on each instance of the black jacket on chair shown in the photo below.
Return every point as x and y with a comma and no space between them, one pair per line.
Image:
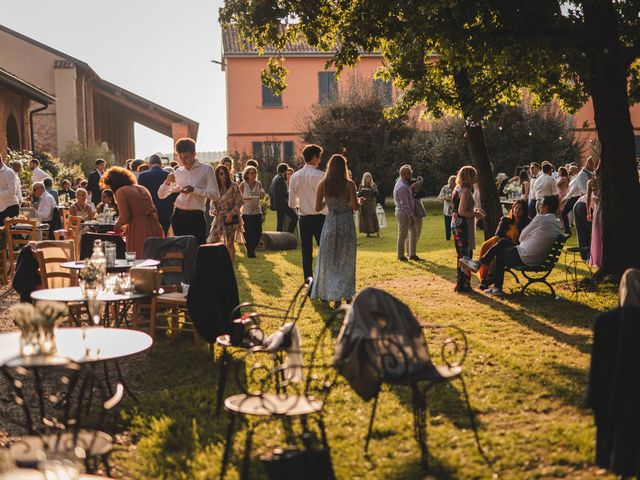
157,247
213,293
26,278
614,390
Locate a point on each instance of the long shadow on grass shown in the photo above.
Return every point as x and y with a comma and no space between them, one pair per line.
176,413
580,314
260,274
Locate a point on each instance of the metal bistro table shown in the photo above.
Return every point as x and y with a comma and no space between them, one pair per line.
90,346
75,295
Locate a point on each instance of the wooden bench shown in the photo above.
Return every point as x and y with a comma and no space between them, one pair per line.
539,273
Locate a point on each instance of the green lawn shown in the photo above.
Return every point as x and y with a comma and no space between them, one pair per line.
526,373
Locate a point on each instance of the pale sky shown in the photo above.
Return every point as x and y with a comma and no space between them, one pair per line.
158,49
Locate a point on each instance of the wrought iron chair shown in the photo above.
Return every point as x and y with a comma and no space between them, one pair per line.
289,391
400,356
65,415
253,342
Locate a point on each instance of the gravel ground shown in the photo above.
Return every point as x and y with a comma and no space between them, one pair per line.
132,368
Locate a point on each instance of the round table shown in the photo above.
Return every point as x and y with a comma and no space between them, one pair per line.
75,295
109,343
121,265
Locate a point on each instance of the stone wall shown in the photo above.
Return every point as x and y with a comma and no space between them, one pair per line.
44,126
16,104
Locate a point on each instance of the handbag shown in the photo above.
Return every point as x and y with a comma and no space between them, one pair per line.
418,208
144,280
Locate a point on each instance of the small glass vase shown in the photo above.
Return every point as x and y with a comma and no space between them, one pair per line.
88,285
48,341
29,342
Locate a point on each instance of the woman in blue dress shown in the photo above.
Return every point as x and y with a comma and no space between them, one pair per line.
334,278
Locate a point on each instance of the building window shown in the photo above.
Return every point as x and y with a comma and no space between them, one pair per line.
327,87
272,153
637,146
269,99
382,88
288,152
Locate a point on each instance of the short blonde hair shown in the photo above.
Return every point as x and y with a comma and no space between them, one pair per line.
81,190
248,170
467,176
405,167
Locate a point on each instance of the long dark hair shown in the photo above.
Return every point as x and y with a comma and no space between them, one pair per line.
337,177
524,176
227,183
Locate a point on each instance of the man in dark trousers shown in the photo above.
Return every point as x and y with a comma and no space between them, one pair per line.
151,180
279,198
93,186
302,194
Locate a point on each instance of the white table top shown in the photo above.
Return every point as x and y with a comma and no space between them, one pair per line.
74,294
105,344
121,264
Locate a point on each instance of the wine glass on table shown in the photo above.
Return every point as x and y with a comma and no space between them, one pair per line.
93,307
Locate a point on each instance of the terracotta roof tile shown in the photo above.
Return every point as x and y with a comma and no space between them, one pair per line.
232,44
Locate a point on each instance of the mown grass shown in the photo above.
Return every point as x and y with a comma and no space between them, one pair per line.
526,373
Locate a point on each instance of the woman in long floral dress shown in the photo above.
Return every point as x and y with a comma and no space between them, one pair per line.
227,224
368,191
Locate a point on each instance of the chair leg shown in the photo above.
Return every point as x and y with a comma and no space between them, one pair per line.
222,379
247,454
373,414
228,447
420,424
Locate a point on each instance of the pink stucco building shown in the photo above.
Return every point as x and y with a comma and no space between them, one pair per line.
262,126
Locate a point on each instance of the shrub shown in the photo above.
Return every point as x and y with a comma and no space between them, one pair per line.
85,157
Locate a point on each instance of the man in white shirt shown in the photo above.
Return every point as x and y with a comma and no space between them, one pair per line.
46,203
195,182
577,188
303,187
9,200
534,172
544,186
38,174
536,239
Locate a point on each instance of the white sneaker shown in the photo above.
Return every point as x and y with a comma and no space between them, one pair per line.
470,264
496,292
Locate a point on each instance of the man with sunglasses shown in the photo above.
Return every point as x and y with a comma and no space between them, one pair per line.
195,182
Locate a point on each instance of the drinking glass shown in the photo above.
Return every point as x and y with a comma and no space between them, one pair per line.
130,256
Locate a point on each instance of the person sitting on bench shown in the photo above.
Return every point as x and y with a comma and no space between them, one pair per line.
535,242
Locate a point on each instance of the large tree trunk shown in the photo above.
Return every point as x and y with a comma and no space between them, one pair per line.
479,154
607,85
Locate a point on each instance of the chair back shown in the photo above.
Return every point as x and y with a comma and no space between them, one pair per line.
171,268
88,239
290,314
64,215
380,339
50,254
157,248
19,233
306,374
554,252
74,221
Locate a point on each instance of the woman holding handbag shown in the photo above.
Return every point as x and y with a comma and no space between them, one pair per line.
227,224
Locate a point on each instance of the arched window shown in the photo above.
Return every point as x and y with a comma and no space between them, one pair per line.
13,134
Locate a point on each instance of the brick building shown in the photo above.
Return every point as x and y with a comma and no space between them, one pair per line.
18,99
83,108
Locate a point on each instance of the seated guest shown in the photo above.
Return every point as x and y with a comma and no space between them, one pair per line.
46,202
508,233
48,186
66,194
535,242
107,200
81,208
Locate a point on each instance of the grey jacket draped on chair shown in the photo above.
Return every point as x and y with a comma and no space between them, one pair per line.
158,247
380,340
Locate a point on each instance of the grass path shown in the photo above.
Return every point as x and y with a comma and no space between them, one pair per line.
526,373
